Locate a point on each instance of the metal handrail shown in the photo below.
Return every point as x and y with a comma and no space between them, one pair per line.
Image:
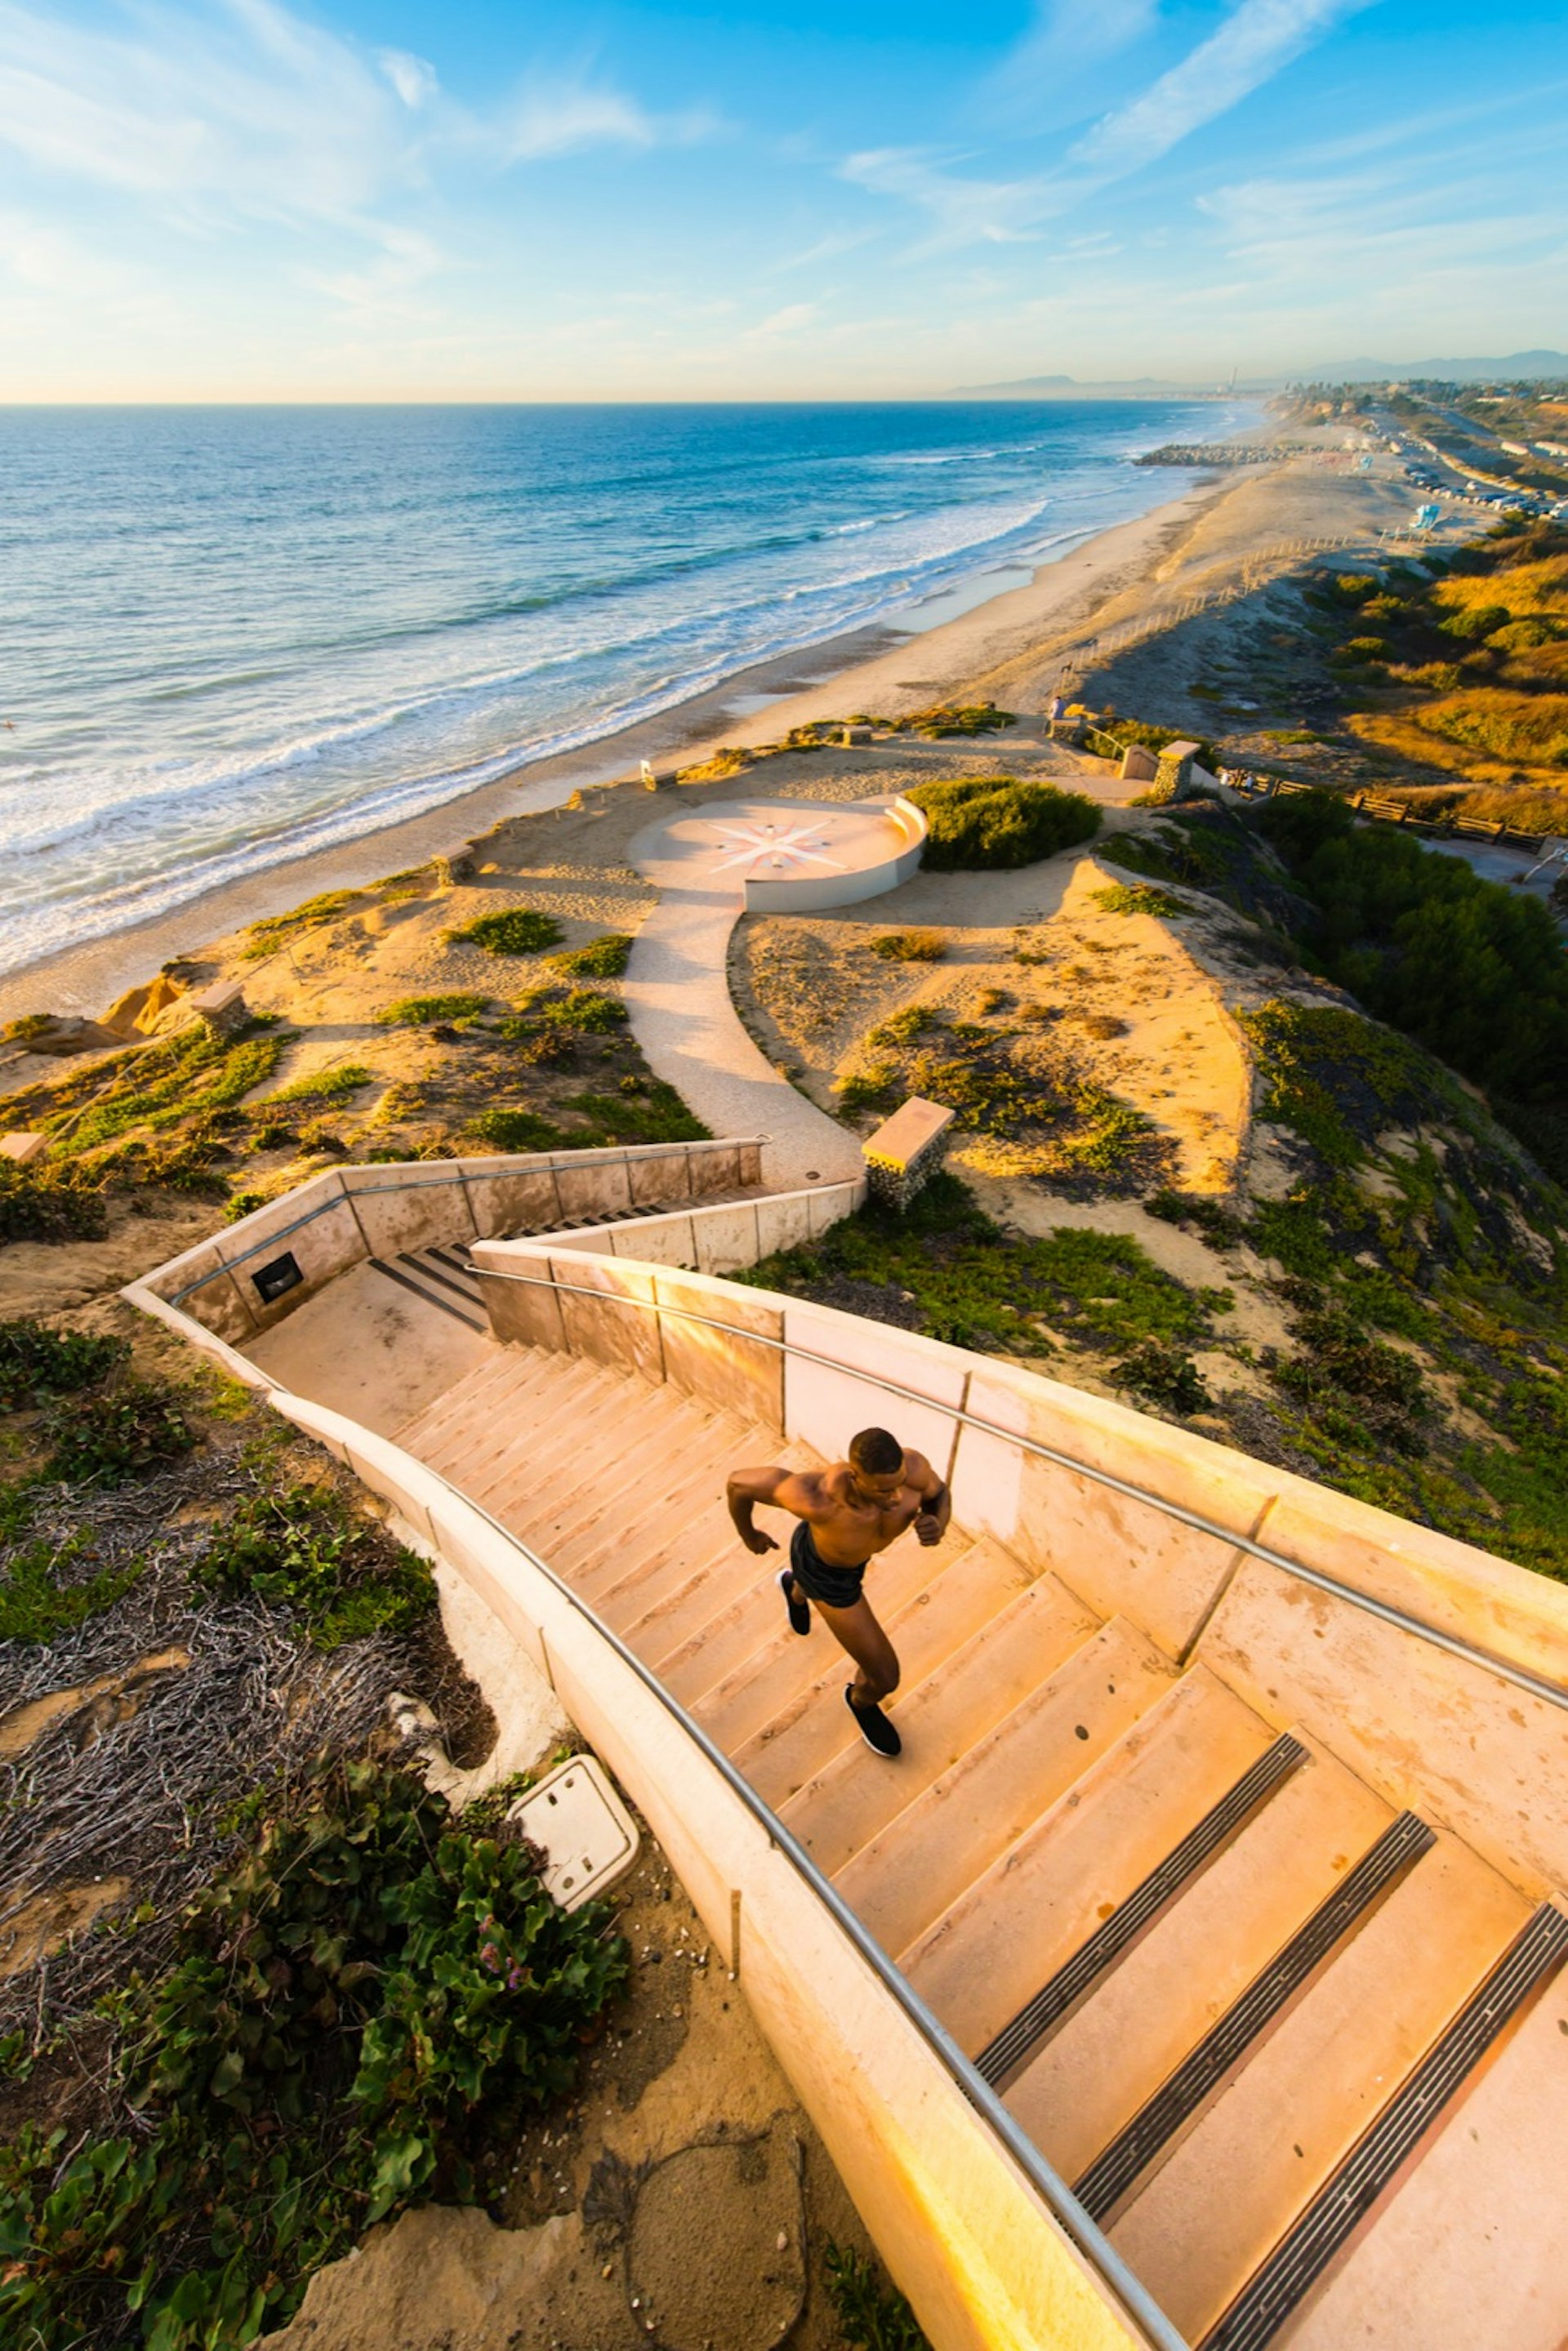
1553,1692
1046,2182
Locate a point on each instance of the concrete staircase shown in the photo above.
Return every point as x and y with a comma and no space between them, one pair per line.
1296,2052
443,1274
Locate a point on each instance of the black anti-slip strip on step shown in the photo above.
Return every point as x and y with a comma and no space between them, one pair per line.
1003,2058
455,1262
442,1266
1107,2180
417,1262
431,1297
1301,2257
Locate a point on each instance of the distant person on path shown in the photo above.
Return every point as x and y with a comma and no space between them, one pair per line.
847,1512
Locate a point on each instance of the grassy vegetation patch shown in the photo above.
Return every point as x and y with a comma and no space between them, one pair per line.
1140,898
911,946
320,1086
946,1268
519,930
987,823
361,2010
303,1551
520,1130
38,1363
119,1432
872,2315
169,1084
47,1589
264,938
420,1011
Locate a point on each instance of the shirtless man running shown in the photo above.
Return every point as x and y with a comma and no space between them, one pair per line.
847,1512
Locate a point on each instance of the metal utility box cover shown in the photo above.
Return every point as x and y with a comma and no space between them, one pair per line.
579,1825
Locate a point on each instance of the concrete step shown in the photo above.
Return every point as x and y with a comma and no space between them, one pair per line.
425,1426
783,1666
434,1286
495,1424
508,1372
800,1740
1111,2054
1201,2221
614,1434
1041,1901
1001,1665
687,1482
982,1803
1467,2245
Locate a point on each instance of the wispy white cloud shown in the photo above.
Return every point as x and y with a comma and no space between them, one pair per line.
413,79
560,117
961,211
1254,44
1257,41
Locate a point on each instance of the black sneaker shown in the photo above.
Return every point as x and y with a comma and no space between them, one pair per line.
874,1727
800,1610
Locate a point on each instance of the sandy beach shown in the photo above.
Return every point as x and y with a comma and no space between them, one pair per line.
1015,646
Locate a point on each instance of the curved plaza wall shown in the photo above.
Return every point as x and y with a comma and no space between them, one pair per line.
813,893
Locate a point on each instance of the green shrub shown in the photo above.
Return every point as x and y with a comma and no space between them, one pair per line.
1337,1360
984,823
945,719
1359,649
420,1011
170,1084
603,958
38,1363
1164,1375
363,2008
911,946
123,1431
50,1206
303,1550
520,1130
519,930
871,2316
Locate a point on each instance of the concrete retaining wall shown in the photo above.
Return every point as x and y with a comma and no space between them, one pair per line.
349,1214
720,1239
1443,1733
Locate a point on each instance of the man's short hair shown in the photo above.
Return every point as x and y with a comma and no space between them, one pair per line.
876,1452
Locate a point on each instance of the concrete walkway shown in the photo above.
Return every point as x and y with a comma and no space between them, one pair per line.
677,993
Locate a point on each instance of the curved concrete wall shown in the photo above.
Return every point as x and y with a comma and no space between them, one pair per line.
983,2261
811,893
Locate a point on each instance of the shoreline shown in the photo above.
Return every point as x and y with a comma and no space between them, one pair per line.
754,705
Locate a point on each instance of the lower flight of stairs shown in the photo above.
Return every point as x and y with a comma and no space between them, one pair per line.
1248,2010
443,1274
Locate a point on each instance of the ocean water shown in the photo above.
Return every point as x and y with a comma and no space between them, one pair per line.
230,636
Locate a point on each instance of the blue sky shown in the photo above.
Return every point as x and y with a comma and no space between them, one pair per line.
240,199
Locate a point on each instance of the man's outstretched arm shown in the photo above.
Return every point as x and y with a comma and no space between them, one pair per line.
781,1488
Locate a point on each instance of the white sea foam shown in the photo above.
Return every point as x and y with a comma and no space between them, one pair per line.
355,617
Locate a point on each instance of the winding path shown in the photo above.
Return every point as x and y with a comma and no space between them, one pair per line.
677,993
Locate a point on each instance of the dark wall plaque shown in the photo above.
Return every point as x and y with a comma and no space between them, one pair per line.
282,1274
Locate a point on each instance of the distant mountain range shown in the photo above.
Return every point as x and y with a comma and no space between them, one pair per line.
1148,387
